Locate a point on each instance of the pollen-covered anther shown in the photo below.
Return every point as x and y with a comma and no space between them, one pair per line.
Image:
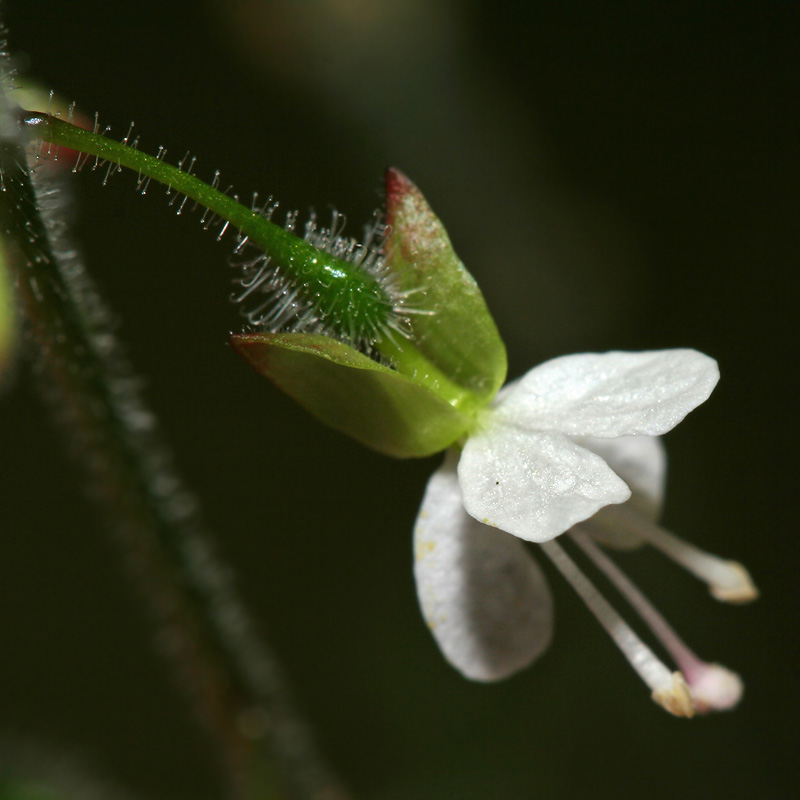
715,688
675,697
734,584
727,581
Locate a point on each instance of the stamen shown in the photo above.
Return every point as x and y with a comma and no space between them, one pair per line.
713,687
716,688
728,581
668,689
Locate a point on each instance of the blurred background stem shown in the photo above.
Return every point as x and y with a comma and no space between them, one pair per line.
224,667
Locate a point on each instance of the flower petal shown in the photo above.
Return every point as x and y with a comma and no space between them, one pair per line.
483,596
610,394
534,485
641,461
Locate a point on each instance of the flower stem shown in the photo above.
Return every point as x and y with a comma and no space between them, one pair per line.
358,302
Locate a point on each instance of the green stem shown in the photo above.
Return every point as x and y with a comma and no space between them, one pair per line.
408,360
357,304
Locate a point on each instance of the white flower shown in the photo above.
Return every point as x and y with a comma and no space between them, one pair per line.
568,447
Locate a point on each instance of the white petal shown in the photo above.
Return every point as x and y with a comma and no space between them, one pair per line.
641,461
483,596
610,394
534,485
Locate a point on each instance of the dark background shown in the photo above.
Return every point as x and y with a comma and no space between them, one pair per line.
616,177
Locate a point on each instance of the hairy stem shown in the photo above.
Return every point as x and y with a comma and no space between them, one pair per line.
359,303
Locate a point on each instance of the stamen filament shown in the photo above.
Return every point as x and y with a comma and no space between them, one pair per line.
713,686
668,689
728,581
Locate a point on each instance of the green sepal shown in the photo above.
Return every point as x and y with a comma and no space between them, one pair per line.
454,330
345,389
